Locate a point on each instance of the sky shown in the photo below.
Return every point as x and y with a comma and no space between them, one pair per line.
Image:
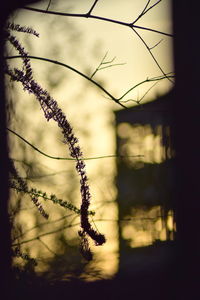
82,43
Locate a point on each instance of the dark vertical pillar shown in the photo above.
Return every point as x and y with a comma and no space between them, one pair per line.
5,244
186,130
6,281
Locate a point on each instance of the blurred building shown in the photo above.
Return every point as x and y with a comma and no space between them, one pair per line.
145,176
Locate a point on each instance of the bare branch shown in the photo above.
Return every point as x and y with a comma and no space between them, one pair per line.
149,50
169,75
68,158
145,10
48,5
72,69
92,7
45,234
142,13
152,6
131,25
43,224
156,44
111,97
103,62
46,246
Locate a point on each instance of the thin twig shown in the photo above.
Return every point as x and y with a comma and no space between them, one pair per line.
138,101
158,78
147,92
149,50
103,62
68,158
131,219
152,6
43,224
111,97
156,44
46,246
95,17
71,68
142,13
92,7
131,25
48,5
45,234
145,10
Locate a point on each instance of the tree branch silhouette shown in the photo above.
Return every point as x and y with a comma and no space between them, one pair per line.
68,158
145,10
130,25
86,15
72,69
111,97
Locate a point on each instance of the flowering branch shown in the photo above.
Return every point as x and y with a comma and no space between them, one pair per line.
20,185
35,194
52,111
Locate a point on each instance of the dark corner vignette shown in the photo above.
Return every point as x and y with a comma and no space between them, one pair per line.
186,123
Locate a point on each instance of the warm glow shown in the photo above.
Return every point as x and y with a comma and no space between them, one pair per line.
142,143
145,227
82,46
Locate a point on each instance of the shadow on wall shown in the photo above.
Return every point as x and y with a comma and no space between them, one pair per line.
145,183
